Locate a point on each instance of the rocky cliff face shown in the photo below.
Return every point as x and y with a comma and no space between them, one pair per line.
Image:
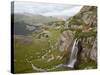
65,40
81,26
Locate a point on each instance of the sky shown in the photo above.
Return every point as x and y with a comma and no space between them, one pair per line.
46,9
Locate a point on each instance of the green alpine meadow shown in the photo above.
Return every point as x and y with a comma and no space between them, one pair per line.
54,37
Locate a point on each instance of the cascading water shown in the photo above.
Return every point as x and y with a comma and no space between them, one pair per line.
71,62
73,55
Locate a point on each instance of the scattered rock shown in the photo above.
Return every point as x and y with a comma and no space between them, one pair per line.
59,57
50,59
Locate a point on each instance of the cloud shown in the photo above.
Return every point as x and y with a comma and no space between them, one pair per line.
65,12
46,9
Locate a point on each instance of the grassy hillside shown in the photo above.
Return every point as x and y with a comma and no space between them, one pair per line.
33,19
25,24
42,52
41,46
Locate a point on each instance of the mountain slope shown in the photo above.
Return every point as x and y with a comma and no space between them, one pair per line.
27,23
83,26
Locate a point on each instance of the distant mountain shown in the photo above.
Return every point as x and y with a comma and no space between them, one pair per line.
33,19
27,23
62,17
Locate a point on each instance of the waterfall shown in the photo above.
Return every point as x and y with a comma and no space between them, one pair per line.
70,64
73,55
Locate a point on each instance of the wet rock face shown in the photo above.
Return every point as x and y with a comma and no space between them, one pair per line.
82,26
93,53
87,17
89,49
89,44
